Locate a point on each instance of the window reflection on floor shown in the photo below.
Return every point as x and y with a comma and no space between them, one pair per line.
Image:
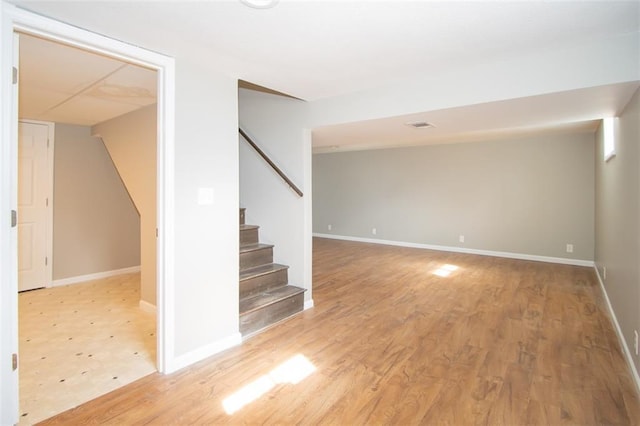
292,371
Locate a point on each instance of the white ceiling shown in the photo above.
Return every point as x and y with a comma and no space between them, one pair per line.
67,85
320,49
564,112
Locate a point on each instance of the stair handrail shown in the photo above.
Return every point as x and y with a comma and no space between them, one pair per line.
271,163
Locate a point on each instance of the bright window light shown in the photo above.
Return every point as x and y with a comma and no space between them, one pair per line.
445,270
292,371
608,130
247,394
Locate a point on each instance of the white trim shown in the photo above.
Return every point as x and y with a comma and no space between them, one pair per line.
94,276
509,255
148,307
308,304
50,195
199,354
308,218
41,26
9,404
621,338
165,220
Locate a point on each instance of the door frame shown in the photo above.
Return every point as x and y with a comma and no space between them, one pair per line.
14,19
49,220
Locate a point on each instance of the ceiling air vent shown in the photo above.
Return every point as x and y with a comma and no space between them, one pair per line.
420,124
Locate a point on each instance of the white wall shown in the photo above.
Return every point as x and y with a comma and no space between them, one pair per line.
527,196
277,124
96,227
131,142
206,236
617,223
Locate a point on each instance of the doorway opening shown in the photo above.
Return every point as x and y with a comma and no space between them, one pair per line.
96,306
25,22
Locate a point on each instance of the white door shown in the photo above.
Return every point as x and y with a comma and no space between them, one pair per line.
33,206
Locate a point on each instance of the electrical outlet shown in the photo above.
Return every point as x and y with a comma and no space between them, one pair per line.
374,231
635,342
461,238
329,227
569,248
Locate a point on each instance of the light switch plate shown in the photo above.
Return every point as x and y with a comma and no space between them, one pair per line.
205,196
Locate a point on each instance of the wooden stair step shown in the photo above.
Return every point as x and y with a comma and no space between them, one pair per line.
254,247
252,255
249,273
269,307
261,278
269,297
265,295
248,234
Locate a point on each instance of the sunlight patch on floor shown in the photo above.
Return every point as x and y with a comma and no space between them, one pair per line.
445,270
292,371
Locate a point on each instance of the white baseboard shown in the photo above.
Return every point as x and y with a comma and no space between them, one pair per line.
204,352
148,307
308,304
96,276
509,255
623,342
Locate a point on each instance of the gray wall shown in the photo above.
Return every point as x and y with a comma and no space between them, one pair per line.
527,196
130,140
617,215
96,227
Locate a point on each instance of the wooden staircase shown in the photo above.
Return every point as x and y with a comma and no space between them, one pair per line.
265,295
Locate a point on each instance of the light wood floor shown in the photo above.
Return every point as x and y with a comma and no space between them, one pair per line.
406,336
80,341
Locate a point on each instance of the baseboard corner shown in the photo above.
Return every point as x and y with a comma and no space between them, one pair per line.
308,304
206,351
94,276
621,340
148,307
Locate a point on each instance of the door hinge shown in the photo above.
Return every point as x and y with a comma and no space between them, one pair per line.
46,202
47,143
46,261
14,361
14,218
15,75
156,232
